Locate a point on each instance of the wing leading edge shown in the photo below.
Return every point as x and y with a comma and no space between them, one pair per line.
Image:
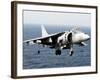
45,39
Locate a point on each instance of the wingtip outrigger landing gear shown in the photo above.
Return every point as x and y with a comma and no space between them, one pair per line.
38,51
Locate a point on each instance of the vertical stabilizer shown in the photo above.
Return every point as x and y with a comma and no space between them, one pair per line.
44,32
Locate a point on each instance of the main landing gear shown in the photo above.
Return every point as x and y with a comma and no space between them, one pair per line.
58,52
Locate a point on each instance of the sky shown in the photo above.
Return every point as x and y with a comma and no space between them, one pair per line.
56,18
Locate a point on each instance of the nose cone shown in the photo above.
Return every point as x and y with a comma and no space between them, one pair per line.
87,37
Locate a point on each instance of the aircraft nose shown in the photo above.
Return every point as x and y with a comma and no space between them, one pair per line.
87,37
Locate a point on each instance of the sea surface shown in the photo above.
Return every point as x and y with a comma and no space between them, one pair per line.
47,57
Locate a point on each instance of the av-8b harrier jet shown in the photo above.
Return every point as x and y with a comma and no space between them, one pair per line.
61,40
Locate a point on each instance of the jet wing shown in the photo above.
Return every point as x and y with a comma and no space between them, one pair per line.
46,40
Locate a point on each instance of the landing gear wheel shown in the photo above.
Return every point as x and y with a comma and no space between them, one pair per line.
71,53
58,52
38,51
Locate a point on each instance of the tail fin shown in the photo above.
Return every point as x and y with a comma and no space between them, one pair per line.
44,32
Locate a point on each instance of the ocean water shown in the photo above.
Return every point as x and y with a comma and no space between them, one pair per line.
47,57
